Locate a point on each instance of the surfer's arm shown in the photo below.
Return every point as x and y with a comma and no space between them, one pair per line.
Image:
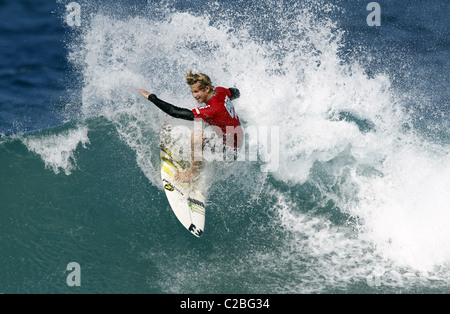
234,93
171,110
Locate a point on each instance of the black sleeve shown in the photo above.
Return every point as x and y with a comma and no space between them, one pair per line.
172,110
234,93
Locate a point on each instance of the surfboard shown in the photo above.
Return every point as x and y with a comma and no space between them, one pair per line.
185,199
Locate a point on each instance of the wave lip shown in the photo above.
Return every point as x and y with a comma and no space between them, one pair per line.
57,150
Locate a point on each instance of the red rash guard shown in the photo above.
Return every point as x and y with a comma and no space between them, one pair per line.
219,111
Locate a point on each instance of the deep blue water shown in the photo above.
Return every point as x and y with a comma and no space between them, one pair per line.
33,67
359,203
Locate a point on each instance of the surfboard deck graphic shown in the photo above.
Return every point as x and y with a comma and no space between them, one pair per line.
185,199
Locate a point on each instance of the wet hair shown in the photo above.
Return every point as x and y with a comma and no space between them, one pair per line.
203,79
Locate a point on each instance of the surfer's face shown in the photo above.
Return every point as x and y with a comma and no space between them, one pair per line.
201,95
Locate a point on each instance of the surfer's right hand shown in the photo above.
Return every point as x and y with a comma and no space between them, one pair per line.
143,92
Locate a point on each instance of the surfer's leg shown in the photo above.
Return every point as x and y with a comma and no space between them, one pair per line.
197,140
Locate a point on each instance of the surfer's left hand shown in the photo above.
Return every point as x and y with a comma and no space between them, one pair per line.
143,92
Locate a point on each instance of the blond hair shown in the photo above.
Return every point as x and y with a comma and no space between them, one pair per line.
203,79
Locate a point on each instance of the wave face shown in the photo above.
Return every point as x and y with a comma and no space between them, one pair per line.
358,204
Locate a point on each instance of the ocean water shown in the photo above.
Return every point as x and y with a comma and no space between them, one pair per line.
359,201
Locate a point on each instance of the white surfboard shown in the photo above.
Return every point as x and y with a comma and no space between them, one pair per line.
185,199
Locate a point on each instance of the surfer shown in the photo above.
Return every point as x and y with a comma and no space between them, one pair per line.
217,110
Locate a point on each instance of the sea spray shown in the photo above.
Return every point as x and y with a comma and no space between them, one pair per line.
57,150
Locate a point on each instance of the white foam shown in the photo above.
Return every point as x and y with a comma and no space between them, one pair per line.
407,211
57,150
